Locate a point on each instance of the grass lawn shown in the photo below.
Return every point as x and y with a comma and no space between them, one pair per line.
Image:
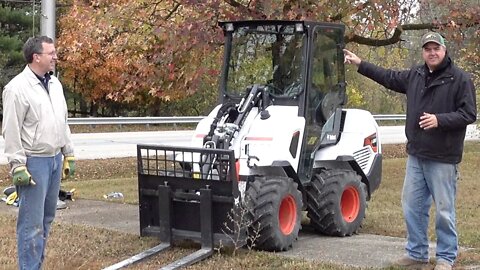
83,247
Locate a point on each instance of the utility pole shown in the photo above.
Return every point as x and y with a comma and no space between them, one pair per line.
48,19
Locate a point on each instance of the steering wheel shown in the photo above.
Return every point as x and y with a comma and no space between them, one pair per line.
274,90
293,89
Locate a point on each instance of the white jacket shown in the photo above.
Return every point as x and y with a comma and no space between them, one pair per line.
34,121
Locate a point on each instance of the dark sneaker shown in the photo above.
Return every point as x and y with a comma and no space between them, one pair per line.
409,263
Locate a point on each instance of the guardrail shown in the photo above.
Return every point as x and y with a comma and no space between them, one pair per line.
176,120
134,120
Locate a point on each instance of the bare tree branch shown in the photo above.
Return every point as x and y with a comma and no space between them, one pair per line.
396,37
174,9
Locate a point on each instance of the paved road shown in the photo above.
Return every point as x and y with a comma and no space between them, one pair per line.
117,144
123,144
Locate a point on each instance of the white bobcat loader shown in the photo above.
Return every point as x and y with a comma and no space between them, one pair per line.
279,143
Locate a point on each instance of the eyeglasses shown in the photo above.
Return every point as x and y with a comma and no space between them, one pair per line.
52,54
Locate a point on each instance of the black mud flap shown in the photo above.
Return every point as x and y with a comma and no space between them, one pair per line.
186,194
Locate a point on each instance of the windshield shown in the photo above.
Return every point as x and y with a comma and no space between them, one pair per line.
269,55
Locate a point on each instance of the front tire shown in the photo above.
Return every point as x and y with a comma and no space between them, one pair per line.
336,202
275,206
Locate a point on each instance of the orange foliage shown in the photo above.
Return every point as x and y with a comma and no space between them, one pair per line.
130,51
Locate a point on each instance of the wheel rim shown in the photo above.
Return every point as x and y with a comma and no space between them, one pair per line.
287,215
350,204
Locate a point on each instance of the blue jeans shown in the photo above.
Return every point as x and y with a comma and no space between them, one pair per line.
424,180
37,208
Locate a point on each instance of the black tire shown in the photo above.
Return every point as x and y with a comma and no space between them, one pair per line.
274,207
336,202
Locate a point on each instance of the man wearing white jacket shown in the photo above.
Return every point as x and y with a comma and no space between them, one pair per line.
37,137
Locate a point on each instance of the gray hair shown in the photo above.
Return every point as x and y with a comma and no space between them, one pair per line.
34,45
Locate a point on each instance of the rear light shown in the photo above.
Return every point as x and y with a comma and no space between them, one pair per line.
371,141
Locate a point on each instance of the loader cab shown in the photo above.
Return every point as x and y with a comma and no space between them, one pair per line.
298,63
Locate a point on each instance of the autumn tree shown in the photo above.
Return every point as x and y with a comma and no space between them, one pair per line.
150,53
138,53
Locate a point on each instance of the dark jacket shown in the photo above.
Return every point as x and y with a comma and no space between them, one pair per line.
449,94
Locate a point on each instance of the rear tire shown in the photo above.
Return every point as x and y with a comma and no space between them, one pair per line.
336,202
274,206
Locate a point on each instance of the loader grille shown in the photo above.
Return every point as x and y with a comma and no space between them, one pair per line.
363,157
194,163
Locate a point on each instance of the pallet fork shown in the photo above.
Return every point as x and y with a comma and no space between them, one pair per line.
176,203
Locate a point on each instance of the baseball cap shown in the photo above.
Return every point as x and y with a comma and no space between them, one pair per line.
433,37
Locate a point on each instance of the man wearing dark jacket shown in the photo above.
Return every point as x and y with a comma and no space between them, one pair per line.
440,104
